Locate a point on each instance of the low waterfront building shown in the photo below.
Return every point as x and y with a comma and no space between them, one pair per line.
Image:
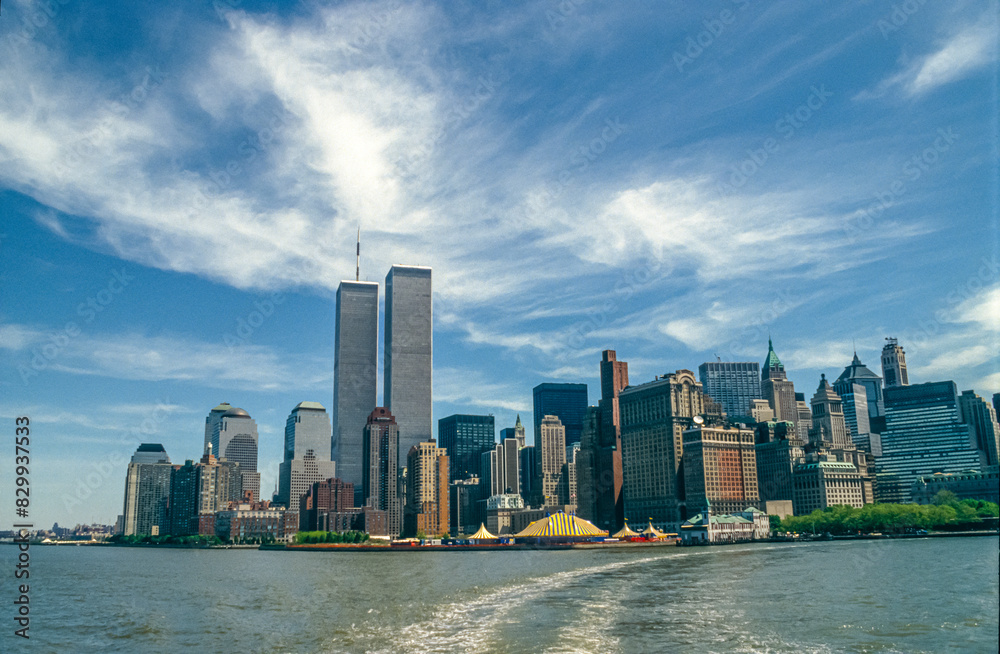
500,510
971,485
709,528
243,521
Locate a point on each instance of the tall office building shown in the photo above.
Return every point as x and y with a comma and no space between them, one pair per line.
858,373
466,437
212,421
516,432
778,449
355,374
427,490
654,416
529,472
500,470
234,438
720,469
776,389
199,490
380,481
802,410
733,385
572,480
982,417
147,491
855,403
609,505
550,481
307,455
588,478
568,402
829,429
894,364
924,434
409,337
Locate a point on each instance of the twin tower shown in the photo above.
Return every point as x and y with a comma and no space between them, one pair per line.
407,371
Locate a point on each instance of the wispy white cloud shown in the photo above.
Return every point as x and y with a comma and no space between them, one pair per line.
471,388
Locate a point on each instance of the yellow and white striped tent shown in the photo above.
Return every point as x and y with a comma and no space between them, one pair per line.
625,532
653,532
560,525
482,534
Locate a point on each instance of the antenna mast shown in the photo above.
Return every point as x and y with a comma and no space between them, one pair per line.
357,269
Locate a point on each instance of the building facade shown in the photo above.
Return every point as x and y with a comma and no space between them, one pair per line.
568,402
426,508
380,470
326,498
778,449
147,491
306,453
355,373
777,389
654,416
466,437
234,438
550,483
501,469
829,428
982,418
894,364
734,385
924,434
827,482
720,468
409,339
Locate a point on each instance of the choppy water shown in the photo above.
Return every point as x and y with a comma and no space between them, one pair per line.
927,595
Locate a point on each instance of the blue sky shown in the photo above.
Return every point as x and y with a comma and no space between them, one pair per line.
671,180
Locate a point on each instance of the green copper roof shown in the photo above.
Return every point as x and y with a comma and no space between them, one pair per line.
772,360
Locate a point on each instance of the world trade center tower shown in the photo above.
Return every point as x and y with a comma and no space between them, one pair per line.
355,374
408,353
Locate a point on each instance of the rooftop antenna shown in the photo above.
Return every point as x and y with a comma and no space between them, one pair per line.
357,269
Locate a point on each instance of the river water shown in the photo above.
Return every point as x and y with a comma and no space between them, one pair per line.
921,595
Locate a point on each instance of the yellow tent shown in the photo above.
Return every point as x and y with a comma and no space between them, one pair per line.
482,534
560,525
625,532
653,532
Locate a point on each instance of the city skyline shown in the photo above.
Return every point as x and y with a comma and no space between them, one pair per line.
219,286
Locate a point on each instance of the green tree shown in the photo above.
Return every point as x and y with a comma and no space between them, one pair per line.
945,497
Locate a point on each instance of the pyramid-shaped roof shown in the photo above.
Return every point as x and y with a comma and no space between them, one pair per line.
772,360
625,532
561,524
482,534
857,370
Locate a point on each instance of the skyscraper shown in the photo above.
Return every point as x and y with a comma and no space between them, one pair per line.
235,439
982,417
654,416
550,484
568,402
720,469
409,357
380,460
829,429
307,458
212,421
776,389
858,373
516,432
894,364
466,437
606,476
733,385
147,491
500,470
855,400
427,490
355,374
924,434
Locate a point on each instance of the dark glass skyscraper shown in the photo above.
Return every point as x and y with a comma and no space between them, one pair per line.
409,354
355,374
466,438
858,373
568,402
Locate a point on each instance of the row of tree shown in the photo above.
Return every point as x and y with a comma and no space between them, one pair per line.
310,537
166,539
947,512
